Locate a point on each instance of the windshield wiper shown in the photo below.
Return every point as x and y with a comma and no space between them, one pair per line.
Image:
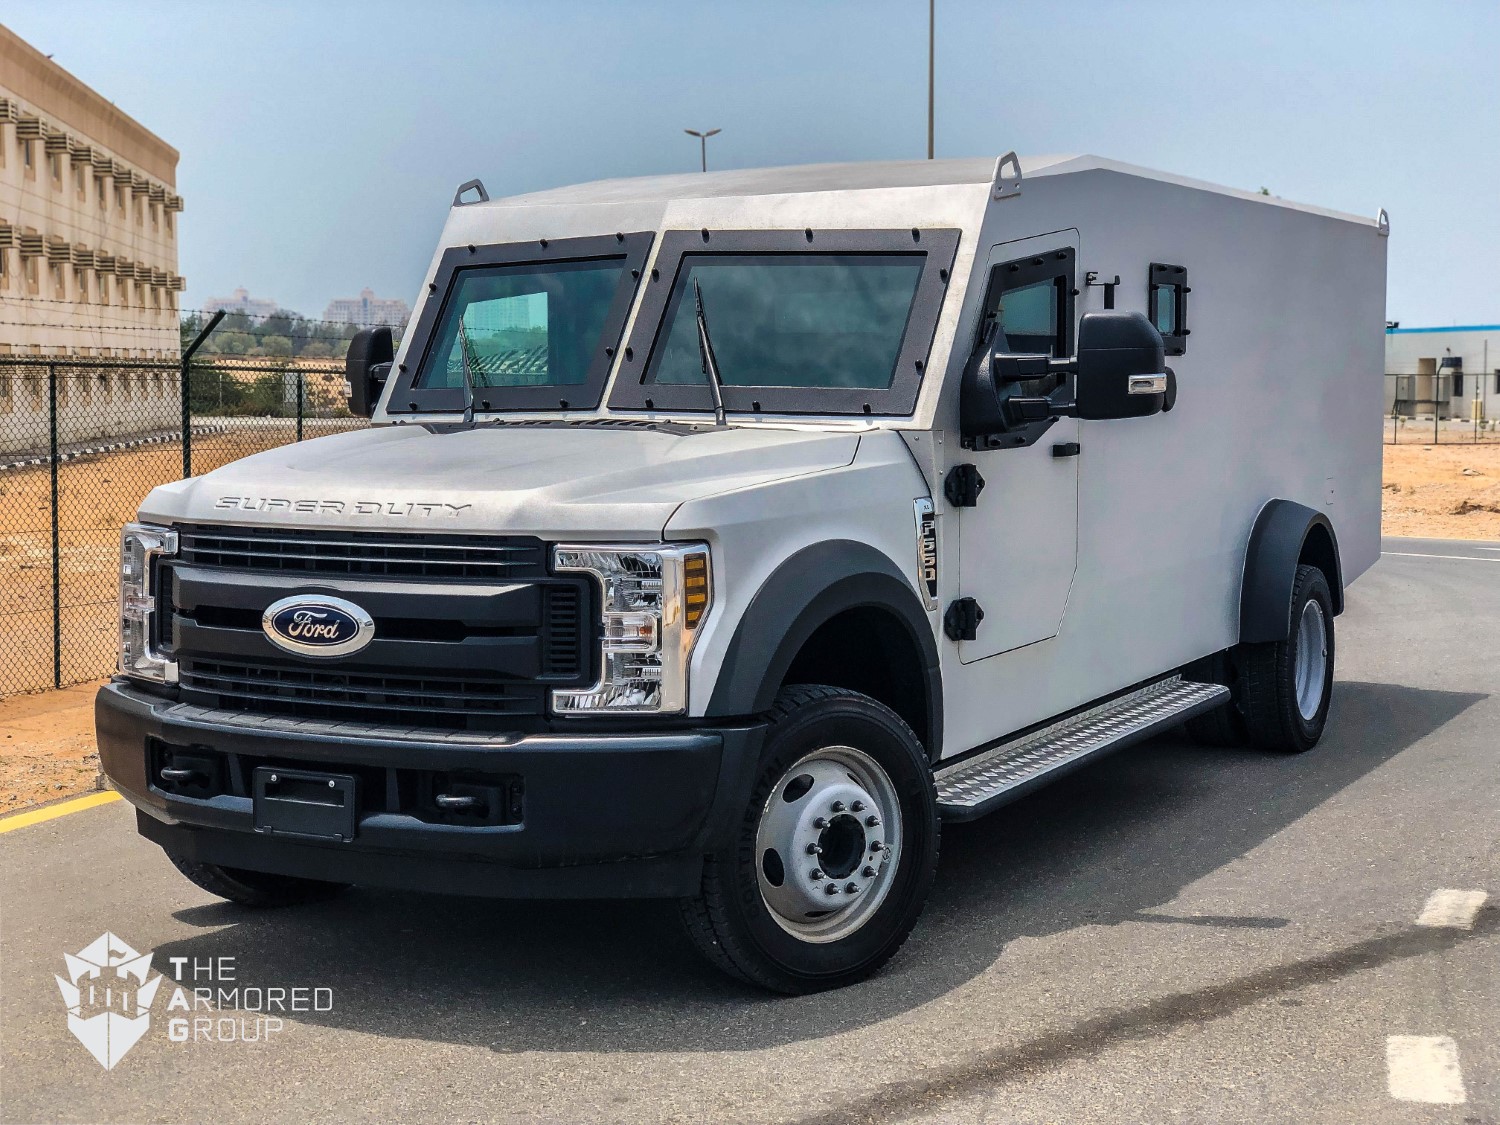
706,357
463,351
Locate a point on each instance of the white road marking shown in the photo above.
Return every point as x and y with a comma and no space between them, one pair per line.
1420,555
1452,908
1423,1068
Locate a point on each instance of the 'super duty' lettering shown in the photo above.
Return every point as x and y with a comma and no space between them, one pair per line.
338,507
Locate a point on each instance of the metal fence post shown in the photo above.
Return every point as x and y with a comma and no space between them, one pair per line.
301,402
53,460
186,381
187,418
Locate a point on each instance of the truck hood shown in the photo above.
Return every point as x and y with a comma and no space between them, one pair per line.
551,479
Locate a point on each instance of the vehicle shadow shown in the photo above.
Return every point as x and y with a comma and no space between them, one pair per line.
543,976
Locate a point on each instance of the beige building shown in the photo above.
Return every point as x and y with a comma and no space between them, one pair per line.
88,220
368,310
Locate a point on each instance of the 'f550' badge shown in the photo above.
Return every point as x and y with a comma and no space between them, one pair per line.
927,555
312,625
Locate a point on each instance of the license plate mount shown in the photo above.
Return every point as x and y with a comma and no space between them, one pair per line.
305,804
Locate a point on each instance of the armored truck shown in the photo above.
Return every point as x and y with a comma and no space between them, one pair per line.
719,537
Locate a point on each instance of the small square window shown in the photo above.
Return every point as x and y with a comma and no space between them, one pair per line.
1167,305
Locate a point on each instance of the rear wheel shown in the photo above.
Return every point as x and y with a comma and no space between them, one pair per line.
1287,685
835,854
255,888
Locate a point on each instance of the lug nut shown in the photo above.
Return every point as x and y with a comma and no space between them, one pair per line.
851,888
833,889
868,873
837,806
872,821
877,846
857,806
813,849
820,823
816,874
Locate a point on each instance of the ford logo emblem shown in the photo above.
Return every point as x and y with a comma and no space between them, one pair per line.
312,625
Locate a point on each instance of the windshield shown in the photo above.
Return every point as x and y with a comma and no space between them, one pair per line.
529,325
536,325
790,320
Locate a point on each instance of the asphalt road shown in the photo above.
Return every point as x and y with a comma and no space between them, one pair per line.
1175,934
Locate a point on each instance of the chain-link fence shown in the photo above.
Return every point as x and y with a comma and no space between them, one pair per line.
81,443
1442,408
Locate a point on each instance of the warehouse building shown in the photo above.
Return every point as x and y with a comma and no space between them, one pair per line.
1452,372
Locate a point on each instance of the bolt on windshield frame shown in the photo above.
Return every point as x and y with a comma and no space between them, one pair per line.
627,251
634,389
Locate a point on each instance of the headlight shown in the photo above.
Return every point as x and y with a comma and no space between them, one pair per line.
140,546
655,599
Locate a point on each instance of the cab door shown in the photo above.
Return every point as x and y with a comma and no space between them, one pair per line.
1018,544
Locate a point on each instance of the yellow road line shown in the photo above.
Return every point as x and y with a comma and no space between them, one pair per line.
51,812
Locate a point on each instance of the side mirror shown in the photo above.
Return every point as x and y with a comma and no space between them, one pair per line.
993,409
1122,371
366,366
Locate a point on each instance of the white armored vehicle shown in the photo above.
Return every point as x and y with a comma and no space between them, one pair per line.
720,536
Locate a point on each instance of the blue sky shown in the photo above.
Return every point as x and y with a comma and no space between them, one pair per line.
321,142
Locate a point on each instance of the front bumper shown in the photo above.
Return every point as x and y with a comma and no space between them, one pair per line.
616,815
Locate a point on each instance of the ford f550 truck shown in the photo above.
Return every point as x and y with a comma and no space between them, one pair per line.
718,537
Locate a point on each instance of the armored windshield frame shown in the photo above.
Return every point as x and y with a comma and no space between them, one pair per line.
937,246
630,250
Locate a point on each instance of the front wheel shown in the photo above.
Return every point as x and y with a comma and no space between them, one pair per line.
835,854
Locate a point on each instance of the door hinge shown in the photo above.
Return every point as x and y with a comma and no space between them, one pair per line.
963,485
1067,449
961,621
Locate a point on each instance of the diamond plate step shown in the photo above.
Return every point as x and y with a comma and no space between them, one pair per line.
971,788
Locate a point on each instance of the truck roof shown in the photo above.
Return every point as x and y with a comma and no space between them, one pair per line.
871,175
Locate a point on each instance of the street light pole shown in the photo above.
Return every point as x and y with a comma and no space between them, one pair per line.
931,61
702,143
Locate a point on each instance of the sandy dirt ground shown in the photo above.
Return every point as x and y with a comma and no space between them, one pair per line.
1442,491
47,747
46,740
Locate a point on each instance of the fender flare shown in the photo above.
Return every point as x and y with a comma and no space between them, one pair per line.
1285,534
808,589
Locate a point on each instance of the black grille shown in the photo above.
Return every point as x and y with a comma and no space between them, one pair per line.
471,701
363,554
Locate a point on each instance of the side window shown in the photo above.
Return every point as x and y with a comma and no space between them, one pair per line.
1167,305
1031,299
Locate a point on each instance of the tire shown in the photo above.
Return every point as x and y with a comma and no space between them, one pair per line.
824,743
1287,685
255,888
1223,726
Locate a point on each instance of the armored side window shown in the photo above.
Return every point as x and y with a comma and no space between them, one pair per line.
1167,305
1032,300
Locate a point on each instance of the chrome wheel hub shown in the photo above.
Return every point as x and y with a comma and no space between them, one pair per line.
828,844
1311,659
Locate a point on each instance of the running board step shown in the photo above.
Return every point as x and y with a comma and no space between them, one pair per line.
971,788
